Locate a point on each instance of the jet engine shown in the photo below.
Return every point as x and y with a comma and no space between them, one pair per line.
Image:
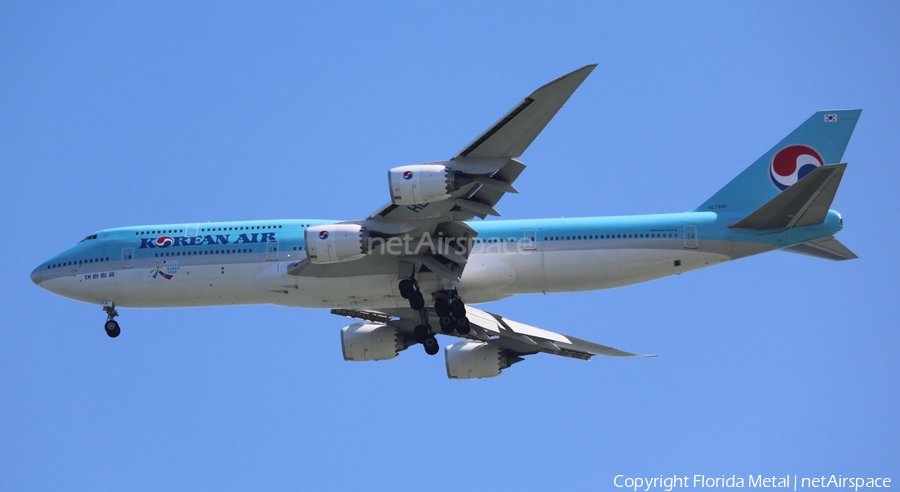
476,360
334,243
422,183
369,341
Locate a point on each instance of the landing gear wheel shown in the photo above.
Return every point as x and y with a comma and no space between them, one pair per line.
431,346
447,324
112,328
407,288
462,326
421,333
416,301
442,307
458,309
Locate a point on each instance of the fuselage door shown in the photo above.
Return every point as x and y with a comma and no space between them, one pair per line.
127,257
529,237
192,230
690,237
272,249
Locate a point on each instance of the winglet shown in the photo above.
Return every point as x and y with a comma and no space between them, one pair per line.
514,132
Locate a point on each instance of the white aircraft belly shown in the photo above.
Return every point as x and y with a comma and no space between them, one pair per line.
199,285
365,291
487,277
580,270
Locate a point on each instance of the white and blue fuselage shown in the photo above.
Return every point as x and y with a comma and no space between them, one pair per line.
246,262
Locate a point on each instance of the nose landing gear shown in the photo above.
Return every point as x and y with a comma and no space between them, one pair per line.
111,326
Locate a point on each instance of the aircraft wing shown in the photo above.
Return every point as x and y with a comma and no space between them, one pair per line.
527,339
494,151
489,166
519,338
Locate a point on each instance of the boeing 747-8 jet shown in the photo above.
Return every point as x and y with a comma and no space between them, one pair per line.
416,267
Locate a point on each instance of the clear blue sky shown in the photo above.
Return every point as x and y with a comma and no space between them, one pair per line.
124,114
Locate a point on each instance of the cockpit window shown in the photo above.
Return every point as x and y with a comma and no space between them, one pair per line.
92,236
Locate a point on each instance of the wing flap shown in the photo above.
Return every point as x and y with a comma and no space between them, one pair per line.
509,173
530,339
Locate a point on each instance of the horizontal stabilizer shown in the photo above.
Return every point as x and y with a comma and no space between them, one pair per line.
828,248
805,203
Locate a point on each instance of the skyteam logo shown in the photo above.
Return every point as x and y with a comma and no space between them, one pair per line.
323,235
164,242
407,175
792,163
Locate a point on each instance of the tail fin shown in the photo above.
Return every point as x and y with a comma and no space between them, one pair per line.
819,141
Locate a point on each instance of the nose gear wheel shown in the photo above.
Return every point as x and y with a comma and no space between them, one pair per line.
111,326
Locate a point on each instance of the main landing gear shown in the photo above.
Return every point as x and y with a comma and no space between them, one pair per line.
449,308
423,335
452,313
111,326
409,290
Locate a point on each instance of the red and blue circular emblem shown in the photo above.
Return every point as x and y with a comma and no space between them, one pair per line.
323,234
164,241
792,163
407,175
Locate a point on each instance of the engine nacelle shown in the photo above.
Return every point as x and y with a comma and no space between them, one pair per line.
476,360
422,183
368,341
336,242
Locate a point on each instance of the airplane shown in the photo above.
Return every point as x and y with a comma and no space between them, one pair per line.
416,267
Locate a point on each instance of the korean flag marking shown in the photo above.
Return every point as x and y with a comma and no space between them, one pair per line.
830,118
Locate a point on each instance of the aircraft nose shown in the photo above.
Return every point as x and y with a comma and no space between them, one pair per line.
37,275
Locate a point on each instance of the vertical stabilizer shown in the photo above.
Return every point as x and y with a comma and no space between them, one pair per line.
819,141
